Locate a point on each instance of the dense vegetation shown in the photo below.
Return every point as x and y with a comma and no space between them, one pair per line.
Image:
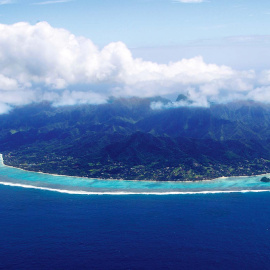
125,138
265,179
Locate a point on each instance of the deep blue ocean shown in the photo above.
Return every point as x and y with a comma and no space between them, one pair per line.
46,224
48,230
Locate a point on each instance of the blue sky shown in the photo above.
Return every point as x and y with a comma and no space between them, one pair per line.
144,23
84,51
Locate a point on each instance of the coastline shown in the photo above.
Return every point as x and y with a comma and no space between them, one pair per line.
184,190
152,181
81,192
104,179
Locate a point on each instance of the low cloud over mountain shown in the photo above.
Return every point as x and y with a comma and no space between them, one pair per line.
39,62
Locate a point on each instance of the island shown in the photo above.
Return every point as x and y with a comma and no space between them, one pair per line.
127,139
265,179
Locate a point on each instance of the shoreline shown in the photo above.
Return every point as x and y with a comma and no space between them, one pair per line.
103,179
127,191
117,193
155,181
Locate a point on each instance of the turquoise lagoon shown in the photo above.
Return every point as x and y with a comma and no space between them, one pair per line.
77,185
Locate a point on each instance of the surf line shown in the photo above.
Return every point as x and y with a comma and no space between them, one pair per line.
81,192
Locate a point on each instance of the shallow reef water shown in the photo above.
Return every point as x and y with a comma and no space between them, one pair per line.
78,185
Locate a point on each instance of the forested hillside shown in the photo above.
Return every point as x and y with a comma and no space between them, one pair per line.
126,139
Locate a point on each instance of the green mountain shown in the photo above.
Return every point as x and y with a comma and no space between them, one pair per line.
126,139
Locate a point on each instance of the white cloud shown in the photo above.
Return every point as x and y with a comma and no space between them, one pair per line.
189,1
7,83
5,2
261,94
77,97
4,108
39,62
52,2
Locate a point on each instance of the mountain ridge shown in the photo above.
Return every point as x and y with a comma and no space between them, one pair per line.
125,138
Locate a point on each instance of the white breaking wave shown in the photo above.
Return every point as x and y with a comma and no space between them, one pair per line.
170,191
81,192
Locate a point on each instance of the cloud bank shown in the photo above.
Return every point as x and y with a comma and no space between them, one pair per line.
42,63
